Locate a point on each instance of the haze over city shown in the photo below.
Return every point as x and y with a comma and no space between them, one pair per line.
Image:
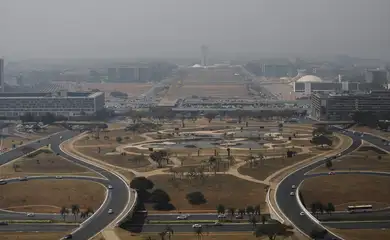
176,28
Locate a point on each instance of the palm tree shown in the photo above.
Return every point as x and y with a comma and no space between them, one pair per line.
263,219
169,231
232,211
241,211
198,232
75,210
313,208
162,235
64,211
253,220
249,210
89,211
257,209
220,208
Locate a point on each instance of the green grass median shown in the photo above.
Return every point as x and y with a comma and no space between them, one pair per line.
181,221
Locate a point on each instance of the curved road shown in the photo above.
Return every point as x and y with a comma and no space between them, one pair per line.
100,219
289,205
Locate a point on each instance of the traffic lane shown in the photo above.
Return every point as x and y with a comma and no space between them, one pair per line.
172,217
290,206
23,216
152,228
348,172
94,179
101,218
39,227
358,225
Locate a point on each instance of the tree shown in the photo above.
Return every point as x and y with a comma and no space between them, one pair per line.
321,130
119,139
162,235
321,140
199,232
257,209
253,221
318,233
273,230
64,211
250,209
220,208
160,196
169,231
159,157
48,118
210,116
263,219
141,184
196,198
241,211
328,163
232,211
75,210
313,208
330,208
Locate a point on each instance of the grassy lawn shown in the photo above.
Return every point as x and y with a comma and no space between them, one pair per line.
109,138
364,159
108,155
43,163
363,234
31,235
219,189
263,169
344,190
55,193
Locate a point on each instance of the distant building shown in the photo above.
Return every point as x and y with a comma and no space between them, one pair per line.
63,103
205,52
378,78
310,83
339,107
126,74
112,74
143,74
2,75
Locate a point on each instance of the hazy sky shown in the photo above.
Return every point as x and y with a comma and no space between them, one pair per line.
169,28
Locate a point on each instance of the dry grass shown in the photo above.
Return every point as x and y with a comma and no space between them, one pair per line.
42,164
109,138
263,169
360,161
31,235
132,89
344,190
56,193
363,234
220,189
109,155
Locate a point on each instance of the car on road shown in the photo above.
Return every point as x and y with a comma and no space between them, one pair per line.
3,223
302,213
292,194
338,155
30,214
222,216
110,187
293,186
182,217
61,137
23,179
331,173
58,177
218,223
110,211
196,226
239,217
3,182
69,236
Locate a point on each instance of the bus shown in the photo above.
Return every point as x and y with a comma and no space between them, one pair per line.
360,208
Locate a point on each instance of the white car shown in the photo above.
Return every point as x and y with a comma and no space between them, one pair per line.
30,214
302,213
196,226
182,217
292,194
217,223
221,216
58,177
110,187
61,137
110,211
293,186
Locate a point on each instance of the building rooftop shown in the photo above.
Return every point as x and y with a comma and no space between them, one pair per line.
49,94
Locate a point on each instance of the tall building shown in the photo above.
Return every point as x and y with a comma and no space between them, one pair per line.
143,74
205,52
127,74
2,74
378,78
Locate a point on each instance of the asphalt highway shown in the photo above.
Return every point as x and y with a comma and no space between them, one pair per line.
358,224
289,205
149,228
101,218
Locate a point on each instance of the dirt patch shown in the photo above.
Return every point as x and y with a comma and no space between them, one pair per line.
359,161
220,189
262,169
44,163
109,155
31,236
110,138
345,190
132,89
55,193
363,234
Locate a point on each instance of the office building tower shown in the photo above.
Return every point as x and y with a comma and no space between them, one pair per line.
111,74
2,74
377,78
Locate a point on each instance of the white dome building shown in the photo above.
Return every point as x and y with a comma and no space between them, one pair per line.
309,78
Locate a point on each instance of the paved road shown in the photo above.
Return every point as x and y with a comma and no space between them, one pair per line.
41,227
120,190
188,228
358,225
289,205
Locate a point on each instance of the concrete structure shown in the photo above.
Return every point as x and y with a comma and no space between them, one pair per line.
62,103
309,87
112,74
205,52
126,74
309,78
340,107
377,77
2,75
